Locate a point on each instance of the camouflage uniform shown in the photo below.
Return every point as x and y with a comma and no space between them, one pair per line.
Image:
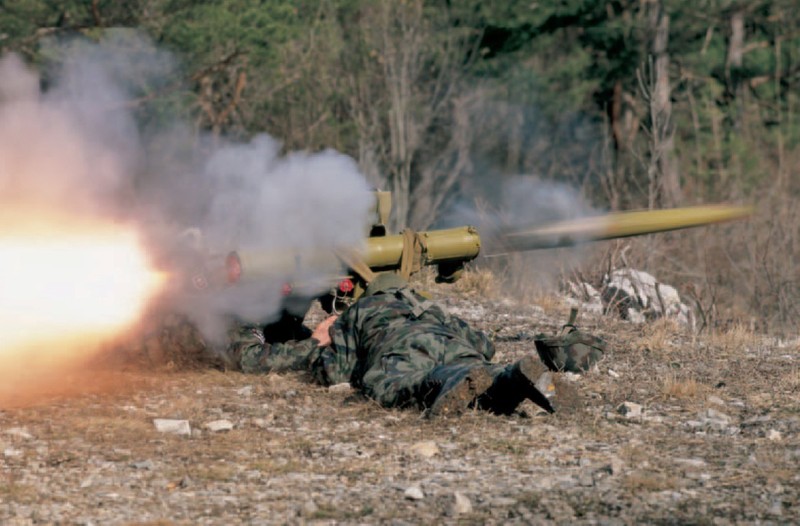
401,350
389,342
252,353
384,344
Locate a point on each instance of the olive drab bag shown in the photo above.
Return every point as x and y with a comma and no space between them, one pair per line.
573,350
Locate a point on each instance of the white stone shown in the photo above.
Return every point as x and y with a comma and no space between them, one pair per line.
19,432
246,391
414,493
263,423
426,448
461,504
630,410
691,462
142,464
219,425
617,465
310,507
584,296
713,414
774,435
634,316
343,387
639,295
167,425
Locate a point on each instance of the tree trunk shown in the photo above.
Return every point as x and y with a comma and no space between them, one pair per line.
661,99
733,64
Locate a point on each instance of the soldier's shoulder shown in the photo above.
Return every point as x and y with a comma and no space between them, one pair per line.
385,302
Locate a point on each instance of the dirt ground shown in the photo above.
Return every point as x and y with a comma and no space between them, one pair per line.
670,428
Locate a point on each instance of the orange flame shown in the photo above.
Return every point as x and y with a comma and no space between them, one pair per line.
71,287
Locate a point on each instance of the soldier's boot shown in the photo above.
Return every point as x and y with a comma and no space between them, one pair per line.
527,379
454,388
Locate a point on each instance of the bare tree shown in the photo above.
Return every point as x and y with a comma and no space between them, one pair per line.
409,106
663,137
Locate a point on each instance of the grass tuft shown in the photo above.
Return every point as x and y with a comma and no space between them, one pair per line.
687,388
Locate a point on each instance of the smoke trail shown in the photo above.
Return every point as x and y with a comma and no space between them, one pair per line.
518,202
523,201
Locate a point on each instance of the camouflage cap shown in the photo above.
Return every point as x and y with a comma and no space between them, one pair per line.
384,282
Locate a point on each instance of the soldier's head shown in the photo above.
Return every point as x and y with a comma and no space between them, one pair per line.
383,282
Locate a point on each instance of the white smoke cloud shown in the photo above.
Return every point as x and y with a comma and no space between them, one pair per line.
285,215
523,202
75,144
520,201
530,200
47,159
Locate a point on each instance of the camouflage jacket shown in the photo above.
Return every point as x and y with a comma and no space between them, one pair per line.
386,324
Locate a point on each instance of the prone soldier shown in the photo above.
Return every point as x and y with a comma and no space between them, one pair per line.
403,350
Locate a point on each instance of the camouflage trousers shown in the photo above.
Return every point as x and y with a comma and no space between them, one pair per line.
398,377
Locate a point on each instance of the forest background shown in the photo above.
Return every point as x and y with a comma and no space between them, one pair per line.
632,103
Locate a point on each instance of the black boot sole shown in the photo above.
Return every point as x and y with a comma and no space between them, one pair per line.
532,370
457,399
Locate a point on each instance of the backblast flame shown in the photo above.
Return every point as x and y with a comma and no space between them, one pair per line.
64,292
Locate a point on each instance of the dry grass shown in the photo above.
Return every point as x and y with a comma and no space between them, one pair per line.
641,480
112,428
736,336
481,282
681,388
790,381
18,492
551,303
658,336
212,473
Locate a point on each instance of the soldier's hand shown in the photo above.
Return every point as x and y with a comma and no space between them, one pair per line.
322,332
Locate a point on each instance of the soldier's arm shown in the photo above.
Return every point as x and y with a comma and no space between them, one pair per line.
334,363
253,354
